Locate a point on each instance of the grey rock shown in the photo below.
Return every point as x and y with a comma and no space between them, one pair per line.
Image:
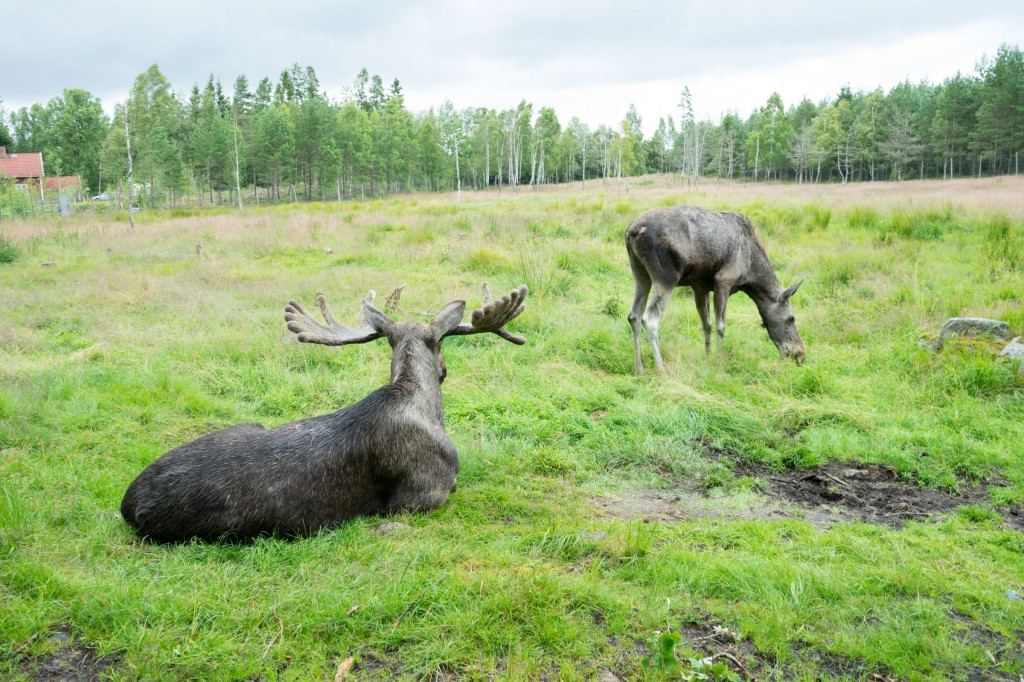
933,345
604,675
974,326
1015,349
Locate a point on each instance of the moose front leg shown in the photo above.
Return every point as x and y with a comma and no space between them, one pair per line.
641,291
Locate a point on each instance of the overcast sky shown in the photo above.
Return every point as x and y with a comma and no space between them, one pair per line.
585,58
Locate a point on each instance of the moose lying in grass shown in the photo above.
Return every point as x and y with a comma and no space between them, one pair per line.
710,252
386,453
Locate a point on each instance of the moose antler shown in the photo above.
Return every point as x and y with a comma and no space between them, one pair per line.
394,300
493,316
333,333
362,309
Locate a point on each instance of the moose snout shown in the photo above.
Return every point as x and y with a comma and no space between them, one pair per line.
799,353
796,351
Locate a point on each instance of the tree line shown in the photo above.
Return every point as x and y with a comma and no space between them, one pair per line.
289,140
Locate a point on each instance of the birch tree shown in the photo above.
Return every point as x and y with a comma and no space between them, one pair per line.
128,148
453,135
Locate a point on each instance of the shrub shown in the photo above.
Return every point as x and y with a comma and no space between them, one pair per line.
613,308
862,216
976,373
8,250
1003,244
837,272
603,348
488,260
922,226
818,217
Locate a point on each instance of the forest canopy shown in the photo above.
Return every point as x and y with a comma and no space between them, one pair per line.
289,139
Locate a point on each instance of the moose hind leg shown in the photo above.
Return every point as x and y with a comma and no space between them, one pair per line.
641,289
721,299
652,318
700,297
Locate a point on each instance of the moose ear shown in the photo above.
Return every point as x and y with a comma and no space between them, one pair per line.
784,296
449,318
376,319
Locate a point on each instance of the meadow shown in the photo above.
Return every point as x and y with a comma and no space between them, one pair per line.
596,510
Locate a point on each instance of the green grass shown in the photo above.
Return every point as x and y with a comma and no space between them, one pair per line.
130,344
8,250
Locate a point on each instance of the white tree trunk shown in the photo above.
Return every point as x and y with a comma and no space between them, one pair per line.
128,147
238,181
583,161
458,176
757,157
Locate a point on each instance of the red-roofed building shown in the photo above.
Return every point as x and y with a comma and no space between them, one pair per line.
21,166
27,170
54,183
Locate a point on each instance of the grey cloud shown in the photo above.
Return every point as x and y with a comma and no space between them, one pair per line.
533,44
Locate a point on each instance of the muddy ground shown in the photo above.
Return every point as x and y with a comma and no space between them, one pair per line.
834,492
68,662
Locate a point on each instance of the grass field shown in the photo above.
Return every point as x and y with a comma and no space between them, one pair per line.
595,508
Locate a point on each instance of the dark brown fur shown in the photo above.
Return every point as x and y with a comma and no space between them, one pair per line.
387,453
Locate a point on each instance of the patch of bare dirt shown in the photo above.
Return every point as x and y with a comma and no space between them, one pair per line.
653,504
999,648
834,492
868,492
69,662
710,638
374,667
707,637
836,665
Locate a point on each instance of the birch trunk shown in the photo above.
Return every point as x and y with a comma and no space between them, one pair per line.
757,157
584,161
238,181
458,176
128,147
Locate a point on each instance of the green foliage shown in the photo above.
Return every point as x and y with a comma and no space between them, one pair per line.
919,225
978,374
818,217
8,250
836,274
488,260
863,217
1004,242
661,646
613,308
662,657
13,516
977,514
15,201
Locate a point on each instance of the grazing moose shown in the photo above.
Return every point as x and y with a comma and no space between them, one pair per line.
709,252
386,453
